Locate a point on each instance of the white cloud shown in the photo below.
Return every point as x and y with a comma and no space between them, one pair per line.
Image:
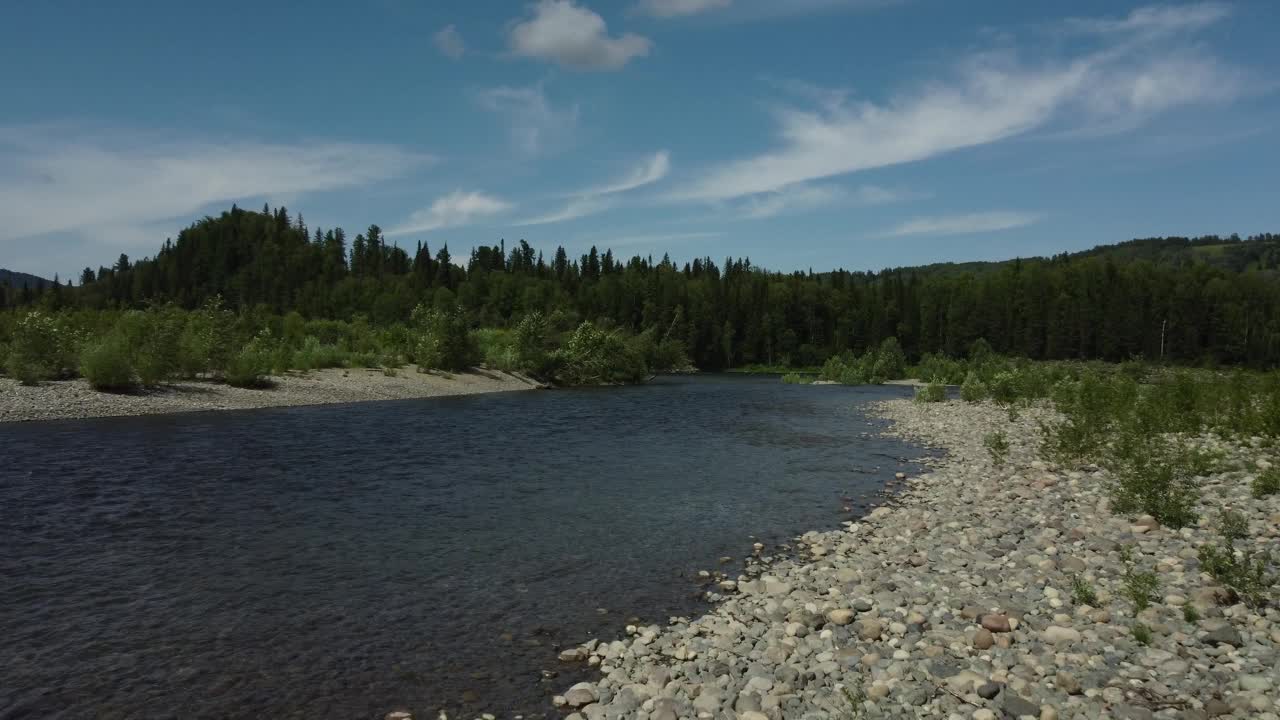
1156,19
576,208
537,126
676,8
70,180
989,98
803,197
575,37
650,171
452,210
964,224
450,43
597,199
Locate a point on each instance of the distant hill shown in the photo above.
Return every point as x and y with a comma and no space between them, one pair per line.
18,279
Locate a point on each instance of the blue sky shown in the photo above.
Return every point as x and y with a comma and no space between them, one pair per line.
807,133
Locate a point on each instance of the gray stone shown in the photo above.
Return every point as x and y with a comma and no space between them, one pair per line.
1017,706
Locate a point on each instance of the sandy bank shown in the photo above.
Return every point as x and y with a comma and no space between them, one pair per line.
75,399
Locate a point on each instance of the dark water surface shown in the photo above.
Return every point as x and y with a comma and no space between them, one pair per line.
344,561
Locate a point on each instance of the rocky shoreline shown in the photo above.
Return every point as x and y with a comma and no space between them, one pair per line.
957,601
74,399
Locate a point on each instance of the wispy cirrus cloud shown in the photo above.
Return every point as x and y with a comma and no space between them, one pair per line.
965,224
449,42
987,98
573,36
1154,19
679,8
453,210
536,125
600,198
77,180
804,197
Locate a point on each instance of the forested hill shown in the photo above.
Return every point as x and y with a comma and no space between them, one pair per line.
18,280
1208,299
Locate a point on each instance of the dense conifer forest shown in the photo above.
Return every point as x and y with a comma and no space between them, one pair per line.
1204,300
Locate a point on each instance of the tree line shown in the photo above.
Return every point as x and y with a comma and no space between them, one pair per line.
1201,300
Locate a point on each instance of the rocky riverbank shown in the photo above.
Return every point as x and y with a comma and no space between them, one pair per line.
75,399
957,602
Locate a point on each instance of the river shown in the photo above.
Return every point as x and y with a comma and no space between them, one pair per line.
342,561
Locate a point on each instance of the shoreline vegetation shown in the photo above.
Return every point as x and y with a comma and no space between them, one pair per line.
1097,541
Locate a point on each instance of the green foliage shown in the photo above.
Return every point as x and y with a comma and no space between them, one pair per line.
1190,614
250,367
998,445
1232,525
205,343
798,379
1140,587
1246,574
593,356
1266,483
1142,634
973,389
1082,593
443,341
934,392
1152,475
530,344
105,364
43,346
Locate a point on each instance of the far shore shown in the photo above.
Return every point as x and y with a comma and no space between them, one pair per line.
74,399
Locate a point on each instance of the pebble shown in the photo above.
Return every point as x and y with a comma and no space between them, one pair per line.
963,581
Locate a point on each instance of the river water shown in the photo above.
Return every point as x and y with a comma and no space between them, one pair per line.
343,561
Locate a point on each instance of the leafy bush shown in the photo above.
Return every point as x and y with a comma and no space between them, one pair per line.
1266,483
1082,593
1153,476
891,361
1140,587
1141,634
797,379
998,445
42,347
250,367
973,389
1246,574
313,355
1190,614
443,340
934,392
593,356
205,343
105,364
1232,525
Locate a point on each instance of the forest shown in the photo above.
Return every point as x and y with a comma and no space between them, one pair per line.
1201,301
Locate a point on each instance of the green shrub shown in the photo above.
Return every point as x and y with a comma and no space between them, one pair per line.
105,364
1190,614
1246,574
313,355
934,392
1082,593
1142,634
797,379
205,344
1153,476
593,356
443,341
973,389
42,347
1140,587
998,445
250,367
1232,525
890,362
1266,483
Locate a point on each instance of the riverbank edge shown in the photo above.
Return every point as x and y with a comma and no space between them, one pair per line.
76,400
897,614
